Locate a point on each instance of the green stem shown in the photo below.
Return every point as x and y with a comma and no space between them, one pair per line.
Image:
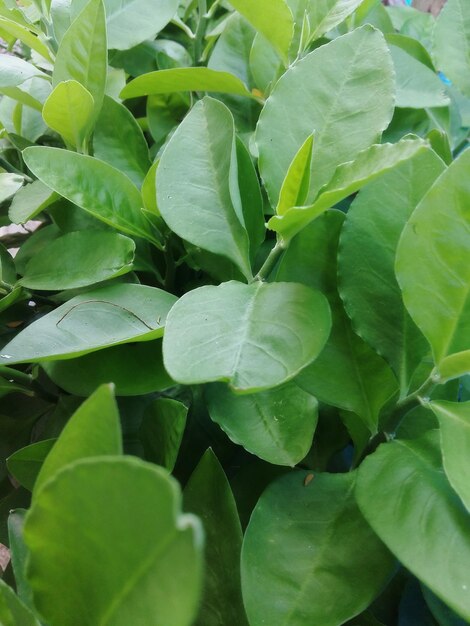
271,261
19,377
200,31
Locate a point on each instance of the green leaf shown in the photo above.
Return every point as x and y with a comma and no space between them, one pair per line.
10,28
93,430
418,86
7,266
69,111
201,153
19,556
15,71
130,22
451,37
82,55
103,191
185,79
245,334
296,184
25,464
443,615
272,18
209,496
162,430
12,611
348,374
366,271
97,319
276,425
324,15
149,190
454,421
309,557
317,94
125,150
404,495
139,558
29,201
134,369
9,185
348,178
433,271
79,259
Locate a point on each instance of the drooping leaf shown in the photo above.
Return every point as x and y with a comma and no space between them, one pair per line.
454,422
366,262
139,559
209,496
93,430
276,425
451,37
185,79
69,111
97,319
309,556
126,150
253,336
201,152
25,464
404,495
433,271
103,191
162,430
12,611
79,259
336,89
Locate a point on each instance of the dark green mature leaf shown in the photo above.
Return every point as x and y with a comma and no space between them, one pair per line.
253,336
208,495
309,556
82,54
366,262
97,319
133,368
405,497
139,559
79,259
451,37
126,148
335,90
93,430
276,425
12,611
433,270
25,464
103,191
185,79
162,430
202,153
454,422
441,612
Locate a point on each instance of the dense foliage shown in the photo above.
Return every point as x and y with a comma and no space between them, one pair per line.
235,346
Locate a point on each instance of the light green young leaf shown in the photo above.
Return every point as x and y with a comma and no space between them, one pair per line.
296,184
149,189
162,430
451,38
25,464
324,15
69,111
454,421
29,201
79,259
10,28
101,190
209,496
309,556
366,262
139,559
185,79
12,611
317,94
272,18
276,425
97,319
433,270
264,63
204,210
245,334
347,179
126,150
404,495
93,430
9,185
135,368
82,55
